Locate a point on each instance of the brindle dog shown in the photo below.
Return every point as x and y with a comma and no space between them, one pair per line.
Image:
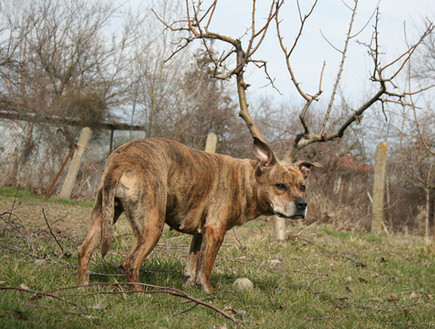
157,181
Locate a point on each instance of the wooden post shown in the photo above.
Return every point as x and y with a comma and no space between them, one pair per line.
211,143
74,166
377,224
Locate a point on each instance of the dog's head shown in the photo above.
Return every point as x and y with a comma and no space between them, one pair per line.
281,188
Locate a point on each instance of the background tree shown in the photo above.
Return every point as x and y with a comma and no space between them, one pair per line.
153,83
239,55
207,107
241,51
175,98
414,141
57,61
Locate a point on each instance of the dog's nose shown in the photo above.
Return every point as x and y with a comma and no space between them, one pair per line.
301,204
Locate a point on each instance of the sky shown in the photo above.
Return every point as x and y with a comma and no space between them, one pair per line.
330,17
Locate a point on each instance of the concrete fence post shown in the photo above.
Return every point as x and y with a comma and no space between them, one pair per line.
211,143
74,166
278,225
377,224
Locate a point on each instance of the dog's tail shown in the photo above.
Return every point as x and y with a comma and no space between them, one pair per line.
107,190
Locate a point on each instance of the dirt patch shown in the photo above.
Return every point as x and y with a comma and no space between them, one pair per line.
32,225
62,217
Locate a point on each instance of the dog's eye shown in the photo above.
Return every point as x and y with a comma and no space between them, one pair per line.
302,188
281,187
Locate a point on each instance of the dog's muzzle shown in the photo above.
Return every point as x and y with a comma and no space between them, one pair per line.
297,216
300,209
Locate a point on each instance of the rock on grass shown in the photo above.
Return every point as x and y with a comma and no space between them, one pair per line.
243,285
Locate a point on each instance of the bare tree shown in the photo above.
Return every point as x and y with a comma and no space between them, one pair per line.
207,106
422,72
58,59
196,26
236,58
153,83
418,155
411,183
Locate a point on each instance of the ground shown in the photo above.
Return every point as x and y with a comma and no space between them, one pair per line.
318,278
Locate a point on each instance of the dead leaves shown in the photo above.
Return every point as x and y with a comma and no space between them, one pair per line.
410,295
393,298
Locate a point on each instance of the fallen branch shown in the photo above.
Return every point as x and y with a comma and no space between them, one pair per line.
54,236
157,290
20,229
107,275
4,245
356,261
47,294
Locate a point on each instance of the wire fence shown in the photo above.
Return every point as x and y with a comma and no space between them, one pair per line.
32,155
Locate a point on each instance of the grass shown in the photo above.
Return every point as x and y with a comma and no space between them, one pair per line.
317,279
27,197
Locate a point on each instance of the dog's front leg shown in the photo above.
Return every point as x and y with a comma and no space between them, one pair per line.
211,241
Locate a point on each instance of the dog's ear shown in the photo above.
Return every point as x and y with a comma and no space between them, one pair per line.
264,154
304,167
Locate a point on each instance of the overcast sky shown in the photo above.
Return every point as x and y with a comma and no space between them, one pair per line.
331,17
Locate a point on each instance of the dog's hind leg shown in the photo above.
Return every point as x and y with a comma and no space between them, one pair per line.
93,239
90,244
147,230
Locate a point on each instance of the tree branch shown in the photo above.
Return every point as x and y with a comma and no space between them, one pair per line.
340,69
287,54
154,290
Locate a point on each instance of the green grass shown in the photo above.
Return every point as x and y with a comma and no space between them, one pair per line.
26,196
314,280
